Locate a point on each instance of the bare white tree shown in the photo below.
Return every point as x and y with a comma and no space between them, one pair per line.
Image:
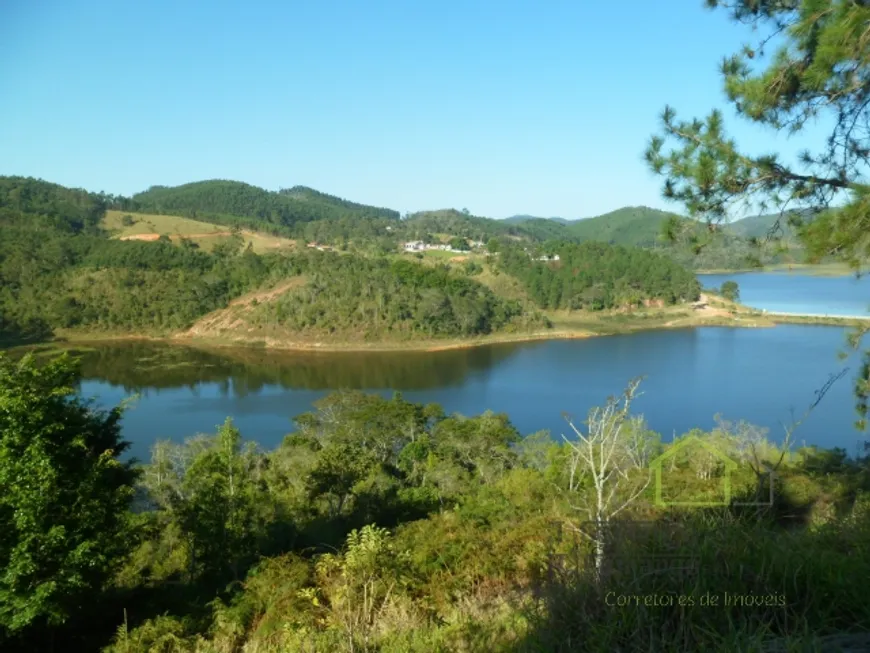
606,453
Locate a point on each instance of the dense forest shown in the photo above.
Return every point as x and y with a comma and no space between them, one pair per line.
352,295
384,525
245,201
58,269
598,276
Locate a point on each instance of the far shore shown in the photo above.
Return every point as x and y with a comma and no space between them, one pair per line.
811,269
576,325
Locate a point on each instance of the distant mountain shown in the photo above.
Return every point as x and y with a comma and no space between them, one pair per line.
759,226
451,221
516,219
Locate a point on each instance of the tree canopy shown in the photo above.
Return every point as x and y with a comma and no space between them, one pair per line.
599,276
63,508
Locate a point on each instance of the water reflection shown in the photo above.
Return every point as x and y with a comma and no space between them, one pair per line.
239,372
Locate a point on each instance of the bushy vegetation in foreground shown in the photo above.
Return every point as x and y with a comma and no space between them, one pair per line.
383,525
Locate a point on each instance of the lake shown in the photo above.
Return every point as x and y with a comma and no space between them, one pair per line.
691,374
788,292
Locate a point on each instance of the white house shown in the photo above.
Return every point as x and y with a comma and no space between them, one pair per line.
414,246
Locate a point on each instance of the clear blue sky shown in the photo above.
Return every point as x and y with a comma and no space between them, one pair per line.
503,107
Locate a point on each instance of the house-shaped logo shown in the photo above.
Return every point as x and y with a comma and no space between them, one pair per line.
695,448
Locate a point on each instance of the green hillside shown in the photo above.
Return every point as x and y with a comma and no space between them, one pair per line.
457,223
634,225
760,226
517,219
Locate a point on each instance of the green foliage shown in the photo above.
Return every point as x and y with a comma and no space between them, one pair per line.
63,508
472,268
459,243
222,498
377,297
210,491
598,276
730,291
390,526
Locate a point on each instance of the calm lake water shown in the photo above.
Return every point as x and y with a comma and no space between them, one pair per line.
786,292
752,374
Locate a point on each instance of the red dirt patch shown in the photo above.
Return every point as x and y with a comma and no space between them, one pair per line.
147,237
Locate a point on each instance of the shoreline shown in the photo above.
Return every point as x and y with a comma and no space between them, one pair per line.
69,341
808,269
745,318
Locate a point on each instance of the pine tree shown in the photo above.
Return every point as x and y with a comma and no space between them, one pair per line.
820,70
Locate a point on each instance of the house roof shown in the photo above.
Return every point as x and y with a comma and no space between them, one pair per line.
681,444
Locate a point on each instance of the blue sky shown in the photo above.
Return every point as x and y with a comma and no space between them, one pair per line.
503,107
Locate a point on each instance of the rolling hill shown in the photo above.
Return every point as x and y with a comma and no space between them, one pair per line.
516,219
217,200
759,226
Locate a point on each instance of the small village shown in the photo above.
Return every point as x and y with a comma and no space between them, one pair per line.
420,246
474,245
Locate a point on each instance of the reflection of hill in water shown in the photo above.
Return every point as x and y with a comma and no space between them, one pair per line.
137,366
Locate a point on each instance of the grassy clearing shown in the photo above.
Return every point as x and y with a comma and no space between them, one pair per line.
817,319
440,255
503,285
206,235
145,223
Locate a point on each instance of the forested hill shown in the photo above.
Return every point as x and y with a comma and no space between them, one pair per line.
597,276
208,199
60,270
632,225
35,204
457,223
